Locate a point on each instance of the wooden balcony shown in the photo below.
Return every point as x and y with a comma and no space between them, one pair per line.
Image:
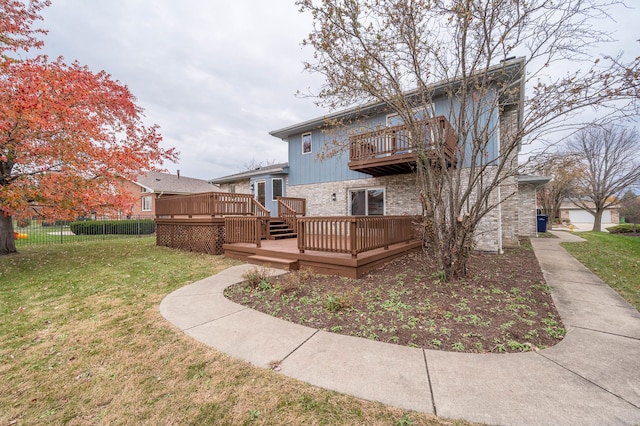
390,150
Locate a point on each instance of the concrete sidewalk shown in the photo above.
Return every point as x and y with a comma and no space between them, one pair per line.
591,377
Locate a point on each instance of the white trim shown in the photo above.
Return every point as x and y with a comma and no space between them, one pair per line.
273,195
256,183
142,206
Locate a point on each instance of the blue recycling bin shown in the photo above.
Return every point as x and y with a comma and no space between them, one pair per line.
542,222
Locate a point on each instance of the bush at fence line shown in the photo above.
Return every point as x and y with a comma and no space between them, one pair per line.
55,223
122,227
627,228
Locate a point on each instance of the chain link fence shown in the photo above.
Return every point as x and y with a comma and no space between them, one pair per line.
53,231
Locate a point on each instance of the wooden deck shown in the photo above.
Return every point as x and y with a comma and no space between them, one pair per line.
286,255
239,227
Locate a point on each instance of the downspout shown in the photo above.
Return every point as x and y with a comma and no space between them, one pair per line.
500,249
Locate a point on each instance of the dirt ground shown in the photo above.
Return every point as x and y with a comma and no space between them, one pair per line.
503,305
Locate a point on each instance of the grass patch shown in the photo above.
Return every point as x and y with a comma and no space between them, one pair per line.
613,258
82,342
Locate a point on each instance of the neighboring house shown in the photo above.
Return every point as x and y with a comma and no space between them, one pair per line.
266,183
383,182
573,213
153,185
528,186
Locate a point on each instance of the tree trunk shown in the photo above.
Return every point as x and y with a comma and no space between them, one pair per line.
597,220
7,237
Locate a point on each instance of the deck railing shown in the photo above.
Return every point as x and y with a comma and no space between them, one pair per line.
289,209
397,140
353,234
209,204
244,229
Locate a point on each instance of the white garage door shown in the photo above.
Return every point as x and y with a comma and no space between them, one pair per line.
583,216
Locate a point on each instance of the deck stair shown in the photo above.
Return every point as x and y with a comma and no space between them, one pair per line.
278,229
274,262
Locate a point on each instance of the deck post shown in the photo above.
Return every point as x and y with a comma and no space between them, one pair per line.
301,235
385,230
353,238
258,232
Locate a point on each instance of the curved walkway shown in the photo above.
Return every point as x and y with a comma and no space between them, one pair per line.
591,377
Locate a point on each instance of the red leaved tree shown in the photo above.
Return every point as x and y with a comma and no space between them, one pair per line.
68,136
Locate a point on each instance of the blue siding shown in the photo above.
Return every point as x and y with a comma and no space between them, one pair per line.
308,169
270,204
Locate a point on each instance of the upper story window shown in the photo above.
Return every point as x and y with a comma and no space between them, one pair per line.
147,203
307,145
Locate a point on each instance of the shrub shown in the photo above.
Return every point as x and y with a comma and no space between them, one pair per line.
627,228
119,227
257,278
336,302
56,223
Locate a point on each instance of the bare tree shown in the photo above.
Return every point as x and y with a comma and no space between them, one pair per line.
408,54
565,170
254,164
611,165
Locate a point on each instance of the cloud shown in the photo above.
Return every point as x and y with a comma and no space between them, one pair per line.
216,76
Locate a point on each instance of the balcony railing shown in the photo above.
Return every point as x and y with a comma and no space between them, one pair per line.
391,150
209,204
354,234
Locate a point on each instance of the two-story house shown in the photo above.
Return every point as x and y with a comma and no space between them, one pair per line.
372,170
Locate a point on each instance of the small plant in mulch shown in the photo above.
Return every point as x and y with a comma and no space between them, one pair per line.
336,302
504,305
258,279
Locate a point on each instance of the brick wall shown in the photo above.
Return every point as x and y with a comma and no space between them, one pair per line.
239,187
527,211
401,195
401,198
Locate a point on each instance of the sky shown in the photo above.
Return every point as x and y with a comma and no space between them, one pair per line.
216,76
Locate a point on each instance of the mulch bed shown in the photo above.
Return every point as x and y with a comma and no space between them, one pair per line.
503,305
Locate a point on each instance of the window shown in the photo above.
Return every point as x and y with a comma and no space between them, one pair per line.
306,143
147,203
260,194
276,188
366,202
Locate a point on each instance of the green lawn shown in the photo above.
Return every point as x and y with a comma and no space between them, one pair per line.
615,258
82,342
